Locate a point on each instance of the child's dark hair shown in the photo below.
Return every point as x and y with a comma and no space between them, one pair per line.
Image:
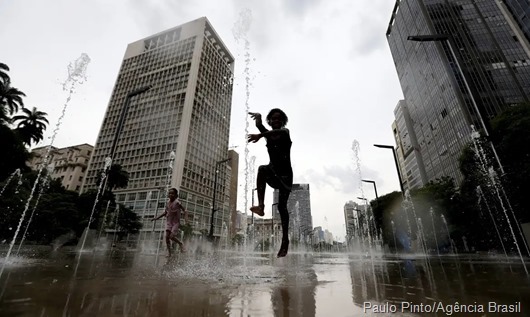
175,190
282,114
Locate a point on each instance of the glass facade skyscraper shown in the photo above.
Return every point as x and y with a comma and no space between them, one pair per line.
176,132
490,49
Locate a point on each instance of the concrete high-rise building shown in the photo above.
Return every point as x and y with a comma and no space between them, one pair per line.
299,206
175,134
232,185
491,57
350,219
69,164
407,149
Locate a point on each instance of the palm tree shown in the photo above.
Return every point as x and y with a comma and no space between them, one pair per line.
10,99
3,73
31,125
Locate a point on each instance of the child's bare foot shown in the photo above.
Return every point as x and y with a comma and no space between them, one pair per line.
183,249
283,249
258,210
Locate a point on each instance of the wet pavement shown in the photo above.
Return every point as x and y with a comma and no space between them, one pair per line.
257,284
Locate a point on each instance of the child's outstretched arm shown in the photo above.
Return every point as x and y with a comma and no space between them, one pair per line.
274,133
161,215
259,124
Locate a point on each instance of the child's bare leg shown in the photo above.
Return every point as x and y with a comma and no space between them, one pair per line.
261,184
168,242
284,216
180,243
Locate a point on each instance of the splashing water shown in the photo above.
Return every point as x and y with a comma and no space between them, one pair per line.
76,76
15,173
240,31
407,205
480,197
103,223
453,247
489,173
172,156
45,184
355,146
357,164
431,212
104,176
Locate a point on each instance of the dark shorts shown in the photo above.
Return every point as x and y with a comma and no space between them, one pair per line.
274,180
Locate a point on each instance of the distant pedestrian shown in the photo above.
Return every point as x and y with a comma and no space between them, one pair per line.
278,173
173,213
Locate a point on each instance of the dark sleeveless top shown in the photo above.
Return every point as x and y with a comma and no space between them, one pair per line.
280,155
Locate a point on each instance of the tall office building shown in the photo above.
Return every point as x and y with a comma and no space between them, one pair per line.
407,149
175,134
299,206
491,57
350,219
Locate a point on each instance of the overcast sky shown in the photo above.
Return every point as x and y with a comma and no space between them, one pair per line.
325,63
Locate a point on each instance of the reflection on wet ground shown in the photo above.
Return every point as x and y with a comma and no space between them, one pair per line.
236,284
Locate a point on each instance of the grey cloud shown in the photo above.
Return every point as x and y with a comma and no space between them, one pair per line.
299,7
369,30
342,179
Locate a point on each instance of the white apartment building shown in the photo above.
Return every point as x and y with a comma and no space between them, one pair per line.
68,164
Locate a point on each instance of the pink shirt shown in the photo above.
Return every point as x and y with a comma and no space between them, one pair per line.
173,212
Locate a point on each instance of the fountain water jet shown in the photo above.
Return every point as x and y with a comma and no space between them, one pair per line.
15,173
43,187
490,174
240,31
104,175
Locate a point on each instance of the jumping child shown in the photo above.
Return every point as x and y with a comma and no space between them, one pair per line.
173,212
278,173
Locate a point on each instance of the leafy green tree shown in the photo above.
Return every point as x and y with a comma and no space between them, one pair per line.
387,209
85,203
124,221
55,211
10,100
31,125
117,177
55,215
187,229
511,136
14,153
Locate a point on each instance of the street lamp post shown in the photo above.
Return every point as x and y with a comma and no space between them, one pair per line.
396,161
253,190
121,121
272,217
375,187
210,235
448,39
123,116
